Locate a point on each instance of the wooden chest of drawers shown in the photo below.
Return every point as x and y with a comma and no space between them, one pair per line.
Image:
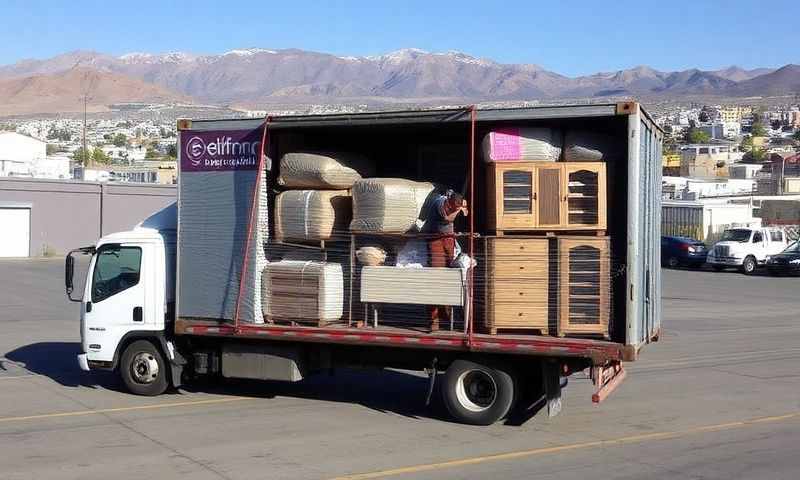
516,283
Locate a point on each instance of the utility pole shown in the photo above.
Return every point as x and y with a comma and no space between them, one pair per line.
86,161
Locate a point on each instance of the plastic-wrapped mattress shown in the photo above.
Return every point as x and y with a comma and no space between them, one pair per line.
388,205
303,291
412,285
322,170
312,215
582,146
522,144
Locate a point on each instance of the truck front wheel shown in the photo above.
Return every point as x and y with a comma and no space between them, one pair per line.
477,394
749,265
143,369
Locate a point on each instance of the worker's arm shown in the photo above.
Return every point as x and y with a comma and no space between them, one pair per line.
452,216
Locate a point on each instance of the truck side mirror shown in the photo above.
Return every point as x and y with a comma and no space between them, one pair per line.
69,271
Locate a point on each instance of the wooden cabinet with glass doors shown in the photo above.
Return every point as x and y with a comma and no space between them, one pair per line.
530,196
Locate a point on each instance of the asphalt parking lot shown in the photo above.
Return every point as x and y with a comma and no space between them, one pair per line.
717,397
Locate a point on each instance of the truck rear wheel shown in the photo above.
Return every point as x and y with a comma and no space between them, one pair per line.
143,369
477,394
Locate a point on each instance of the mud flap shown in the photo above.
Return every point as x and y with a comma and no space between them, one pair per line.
551,376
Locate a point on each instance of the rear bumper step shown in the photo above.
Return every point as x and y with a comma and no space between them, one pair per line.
606,380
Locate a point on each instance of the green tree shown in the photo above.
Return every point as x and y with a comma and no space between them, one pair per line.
99,156
152,154
119,140
758,129
172,151
694,135
80,156
755,155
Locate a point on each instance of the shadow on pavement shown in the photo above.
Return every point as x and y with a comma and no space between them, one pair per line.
58,361
388,391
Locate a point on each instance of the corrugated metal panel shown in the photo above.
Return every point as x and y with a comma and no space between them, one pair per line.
644,225
682,221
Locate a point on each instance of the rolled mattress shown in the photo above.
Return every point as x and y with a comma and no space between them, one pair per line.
303,291
322,170
522,144
388,205
312,215
581,146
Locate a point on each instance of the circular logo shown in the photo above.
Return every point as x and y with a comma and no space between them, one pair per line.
195,148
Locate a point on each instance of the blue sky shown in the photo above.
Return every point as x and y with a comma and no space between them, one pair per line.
569,37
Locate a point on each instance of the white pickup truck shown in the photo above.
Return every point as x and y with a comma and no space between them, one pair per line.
746,248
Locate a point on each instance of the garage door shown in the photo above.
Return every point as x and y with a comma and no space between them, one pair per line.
15,225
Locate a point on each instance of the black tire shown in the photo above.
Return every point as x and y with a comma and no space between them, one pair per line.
673,262
477,394
143,369
718,268
749,265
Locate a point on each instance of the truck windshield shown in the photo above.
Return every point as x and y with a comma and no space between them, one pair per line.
736,235
116,269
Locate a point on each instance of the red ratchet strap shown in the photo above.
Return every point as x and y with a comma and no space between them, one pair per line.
256,189
470,275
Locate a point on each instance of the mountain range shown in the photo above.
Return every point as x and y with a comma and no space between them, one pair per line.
256,78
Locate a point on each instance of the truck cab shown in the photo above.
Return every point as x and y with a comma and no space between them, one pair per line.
746,248
127,301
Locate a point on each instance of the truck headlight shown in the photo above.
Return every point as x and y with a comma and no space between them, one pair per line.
796,261
692,249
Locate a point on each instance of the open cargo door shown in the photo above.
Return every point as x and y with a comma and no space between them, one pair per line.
644,227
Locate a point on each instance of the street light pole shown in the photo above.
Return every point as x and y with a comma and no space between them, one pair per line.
86,158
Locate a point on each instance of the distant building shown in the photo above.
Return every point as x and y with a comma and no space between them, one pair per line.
124,154
794,118
144,172
708,160
733,113
18,153
783,176
744,170
682,188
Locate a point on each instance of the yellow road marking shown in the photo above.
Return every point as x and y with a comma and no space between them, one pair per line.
122,409
19,376
563,448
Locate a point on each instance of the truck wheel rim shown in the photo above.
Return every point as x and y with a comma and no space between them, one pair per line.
476,390
144,367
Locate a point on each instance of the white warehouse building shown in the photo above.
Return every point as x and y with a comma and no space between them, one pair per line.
18,152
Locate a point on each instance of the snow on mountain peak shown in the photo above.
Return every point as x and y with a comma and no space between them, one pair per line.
141,57
402,55
246,52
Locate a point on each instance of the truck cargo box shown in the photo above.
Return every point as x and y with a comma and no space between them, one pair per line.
227,235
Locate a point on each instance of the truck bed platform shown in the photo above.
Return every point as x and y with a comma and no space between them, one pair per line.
599,351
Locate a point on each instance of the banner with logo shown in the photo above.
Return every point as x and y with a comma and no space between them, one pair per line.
220,150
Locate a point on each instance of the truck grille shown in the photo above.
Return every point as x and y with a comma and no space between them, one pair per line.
722,251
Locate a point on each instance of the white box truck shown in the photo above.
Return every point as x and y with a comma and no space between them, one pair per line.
184,293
